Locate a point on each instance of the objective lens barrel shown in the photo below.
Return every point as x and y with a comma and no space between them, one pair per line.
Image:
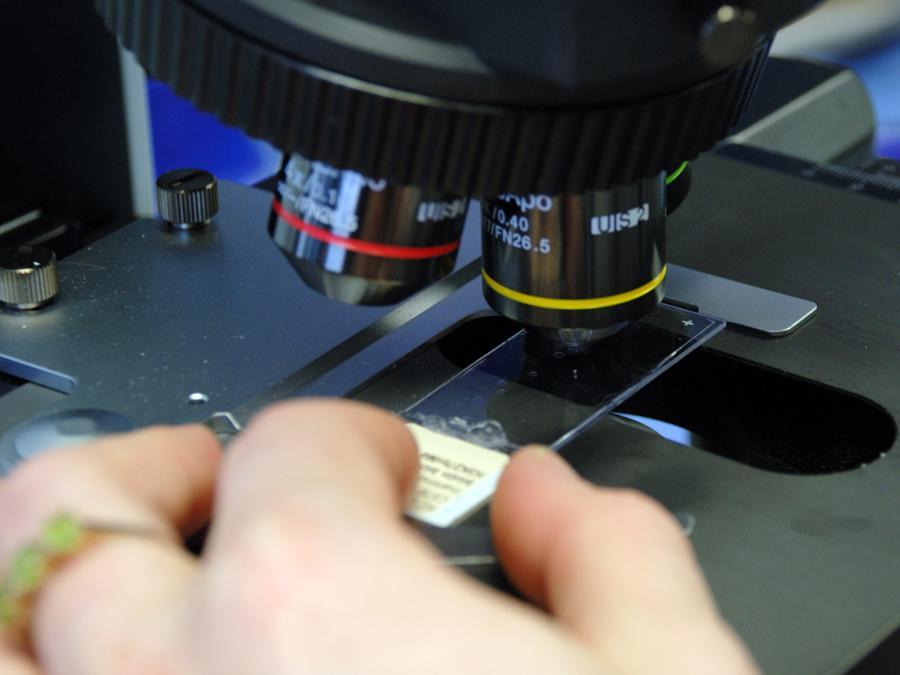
577,265
359,240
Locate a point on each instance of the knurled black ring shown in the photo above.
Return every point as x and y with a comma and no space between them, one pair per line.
451,147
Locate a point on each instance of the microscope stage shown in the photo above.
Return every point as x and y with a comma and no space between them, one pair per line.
787,465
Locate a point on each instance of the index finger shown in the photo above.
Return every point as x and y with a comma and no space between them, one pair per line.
324,455
160,477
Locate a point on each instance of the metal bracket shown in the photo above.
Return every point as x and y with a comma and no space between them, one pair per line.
757,309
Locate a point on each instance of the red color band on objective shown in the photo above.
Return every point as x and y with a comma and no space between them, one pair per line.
360,246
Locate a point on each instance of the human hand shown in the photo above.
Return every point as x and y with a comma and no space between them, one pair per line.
309,567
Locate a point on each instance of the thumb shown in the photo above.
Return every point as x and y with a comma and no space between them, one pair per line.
612,565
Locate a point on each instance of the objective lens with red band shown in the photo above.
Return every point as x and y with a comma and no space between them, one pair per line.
360,240
359,246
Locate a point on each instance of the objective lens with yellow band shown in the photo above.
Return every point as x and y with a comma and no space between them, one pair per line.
574,305
576,264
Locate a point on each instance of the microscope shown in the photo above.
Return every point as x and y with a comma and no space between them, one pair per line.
616,228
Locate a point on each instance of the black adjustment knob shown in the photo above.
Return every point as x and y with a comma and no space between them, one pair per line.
187,198
28,277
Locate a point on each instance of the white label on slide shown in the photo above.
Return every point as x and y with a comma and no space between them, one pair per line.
455,477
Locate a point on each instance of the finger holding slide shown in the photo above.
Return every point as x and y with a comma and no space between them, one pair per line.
160,478
115,602
311,568
323,455
612,565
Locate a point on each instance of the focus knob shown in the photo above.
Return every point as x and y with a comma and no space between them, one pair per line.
28,277
187,198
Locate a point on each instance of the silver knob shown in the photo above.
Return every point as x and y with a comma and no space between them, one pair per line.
28,277
187,198
729,34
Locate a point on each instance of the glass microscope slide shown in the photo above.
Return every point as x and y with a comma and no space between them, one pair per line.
527,390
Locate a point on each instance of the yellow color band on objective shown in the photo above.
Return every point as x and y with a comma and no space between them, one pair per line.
587,303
